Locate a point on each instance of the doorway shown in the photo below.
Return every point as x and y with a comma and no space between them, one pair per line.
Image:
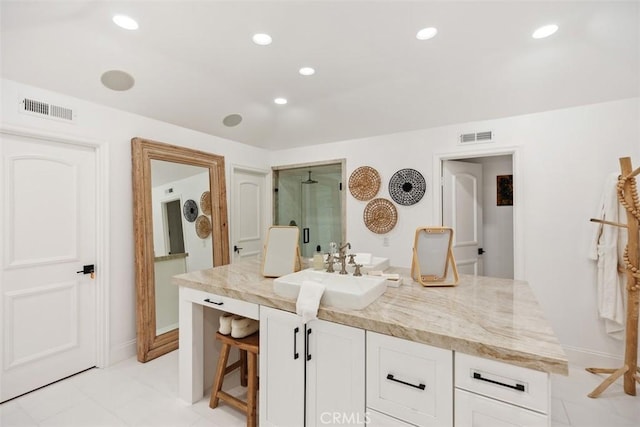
487,228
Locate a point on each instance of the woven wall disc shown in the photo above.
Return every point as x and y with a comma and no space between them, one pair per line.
205,203
190,210
364,183
380,216
407,186
203,227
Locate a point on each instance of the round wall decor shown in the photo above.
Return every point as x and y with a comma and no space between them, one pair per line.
203,227
205,203
407,186
364,183
380,216
190,210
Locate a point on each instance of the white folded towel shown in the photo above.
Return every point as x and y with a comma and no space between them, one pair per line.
309,300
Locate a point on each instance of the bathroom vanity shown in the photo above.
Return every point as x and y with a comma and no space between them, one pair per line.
481,352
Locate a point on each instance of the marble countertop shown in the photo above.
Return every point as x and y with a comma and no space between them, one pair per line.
486,317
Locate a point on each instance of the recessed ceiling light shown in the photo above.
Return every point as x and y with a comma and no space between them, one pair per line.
427,33
307,71
262,39
117,80
126,22
545,31
280,101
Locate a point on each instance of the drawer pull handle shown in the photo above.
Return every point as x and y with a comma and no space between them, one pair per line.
478,376
420,386
213,302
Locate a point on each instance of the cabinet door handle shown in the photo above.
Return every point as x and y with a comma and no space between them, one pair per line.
213,302
295,343
517,386
307,346
392,378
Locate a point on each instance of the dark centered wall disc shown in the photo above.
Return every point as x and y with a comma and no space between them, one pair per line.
190,210
407,187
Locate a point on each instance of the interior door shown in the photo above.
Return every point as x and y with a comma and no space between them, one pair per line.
48,224
248,214
462,211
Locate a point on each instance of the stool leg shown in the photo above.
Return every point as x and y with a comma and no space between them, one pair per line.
243,368
252,390
217,383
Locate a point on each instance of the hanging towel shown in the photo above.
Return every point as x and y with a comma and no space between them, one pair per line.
309,300
607,248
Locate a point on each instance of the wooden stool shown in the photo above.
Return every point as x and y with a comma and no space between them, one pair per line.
248,364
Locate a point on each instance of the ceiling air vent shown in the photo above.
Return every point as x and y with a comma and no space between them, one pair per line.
43,109
478,137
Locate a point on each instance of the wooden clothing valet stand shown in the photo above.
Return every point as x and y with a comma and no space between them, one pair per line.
628,197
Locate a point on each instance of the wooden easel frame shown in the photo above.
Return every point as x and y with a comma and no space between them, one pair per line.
283,268
430,279
630,368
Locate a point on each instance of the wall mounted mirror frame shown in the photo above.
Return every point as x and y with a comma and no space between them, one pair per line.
150,344
433,263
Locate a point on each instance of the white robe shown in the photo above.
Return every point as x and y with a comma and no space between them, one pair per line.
607,248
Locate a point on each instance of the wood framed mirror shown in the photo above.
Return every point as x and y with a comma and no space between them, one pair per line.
180,225
433,263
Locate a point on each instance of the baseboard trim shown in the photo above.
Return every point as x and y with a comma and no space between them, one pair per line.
122,351
592,359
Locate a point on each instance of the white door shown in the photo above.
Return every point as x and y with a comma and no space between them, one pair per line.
247,217
282,364
47,191
462,211
335,374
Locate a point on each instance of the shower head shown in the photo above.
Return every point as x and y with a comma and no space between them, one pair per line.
310,181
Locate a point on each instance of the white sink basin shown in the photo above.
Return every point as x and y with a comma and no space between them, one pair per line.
341,290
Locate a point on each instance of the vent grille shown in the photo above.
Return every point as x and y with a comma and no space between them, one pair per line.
477,137
41,108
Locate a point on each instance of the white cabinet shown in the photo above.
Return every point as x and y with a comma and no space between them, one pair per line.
330,355
496,394
473,410
409,381
282,366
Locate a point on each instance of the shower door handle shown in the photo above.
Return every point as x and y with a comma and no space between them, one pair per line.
305,235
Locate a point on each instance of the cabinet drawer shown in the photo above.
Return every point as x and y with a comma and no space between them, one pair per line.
231,305
409,381
378,419
473,410
514,384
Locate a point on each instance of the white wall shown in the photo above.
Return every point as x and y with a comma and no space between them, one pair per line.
564,158
116,128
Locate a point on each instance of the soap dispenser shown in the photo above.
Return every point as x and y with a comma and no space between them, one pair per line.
318,261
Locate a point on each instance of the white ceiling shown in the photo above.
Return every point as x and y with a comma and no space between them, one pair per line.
194,62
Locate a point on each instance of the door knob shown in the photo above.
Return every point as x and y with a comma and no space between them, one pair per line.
236,249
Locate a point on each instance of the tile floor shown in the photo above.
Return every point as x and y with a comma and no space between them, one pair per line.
135,394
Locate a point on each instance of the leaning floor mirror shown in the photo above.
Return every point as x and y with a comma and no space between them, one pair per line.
433,263
180,225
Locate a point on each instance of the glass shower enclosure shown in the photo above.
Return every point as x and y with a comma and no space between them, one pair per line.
311,198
